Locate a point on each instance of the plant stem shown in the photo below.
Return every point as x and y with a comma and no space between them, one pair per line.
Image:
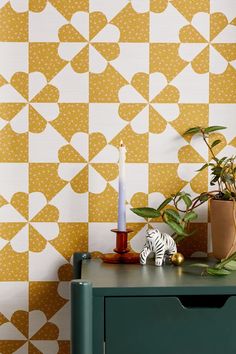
225,261
210,149
208,145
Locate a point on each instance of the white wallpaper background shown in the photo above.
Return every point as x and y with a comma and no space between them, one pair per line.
76,77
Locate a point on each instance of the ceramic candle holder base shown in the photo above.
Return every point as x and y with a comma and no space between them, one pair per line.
123,254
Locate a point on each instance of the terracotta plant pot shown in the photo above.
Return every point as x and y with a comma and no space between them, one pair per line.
223,218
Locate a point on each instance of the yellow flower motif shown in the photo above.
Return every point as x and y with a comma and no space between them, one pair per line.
45,300
27,210
144,91
90,31
211,51
16,323
212,56
31,90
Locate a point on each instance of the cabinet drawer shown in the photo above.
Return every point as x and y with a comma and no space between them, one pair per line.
168,325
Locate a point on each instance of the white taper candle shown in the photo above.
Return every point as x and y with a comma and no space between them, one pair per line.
122,199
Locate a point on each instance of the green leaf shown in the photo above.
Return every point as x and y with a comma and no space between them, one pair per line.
216,170
226,195
227,178
222,159
203,197
173,214
178,229
214,271
226,261
187,200
180,196
203,167
214,180
214,128
190,216
146,212
165,203
215,142
230,265
202,265
193,130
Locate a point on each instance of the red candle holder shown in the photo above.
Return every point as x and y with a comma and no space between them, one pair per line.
122,252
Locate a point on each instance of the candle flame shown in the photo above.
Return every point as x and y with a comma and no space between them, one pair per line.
121,143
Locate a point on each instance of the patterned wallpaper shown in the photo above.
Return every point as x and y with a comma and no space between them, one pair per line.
76,77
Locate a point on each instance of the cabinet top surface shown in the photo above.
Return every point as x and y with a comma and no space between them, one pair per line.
165,279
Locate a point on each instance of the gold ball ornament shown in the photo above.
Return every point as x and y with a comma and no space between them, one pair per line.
177,259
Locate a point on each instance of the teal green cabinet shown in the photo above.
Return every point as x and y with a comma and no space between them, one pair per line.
164,325
133,309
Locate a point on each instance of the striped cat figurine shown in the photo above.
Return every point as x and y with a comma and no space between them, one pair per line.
159,243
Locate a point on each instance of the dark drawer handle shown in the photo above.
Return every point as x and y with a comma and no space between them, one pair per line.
203,301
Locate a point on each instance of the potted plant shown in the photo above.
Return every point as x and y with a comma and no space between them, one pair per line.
222,200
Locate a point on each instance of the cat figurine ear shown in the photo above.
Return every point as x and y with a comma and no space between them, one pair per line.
159,243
